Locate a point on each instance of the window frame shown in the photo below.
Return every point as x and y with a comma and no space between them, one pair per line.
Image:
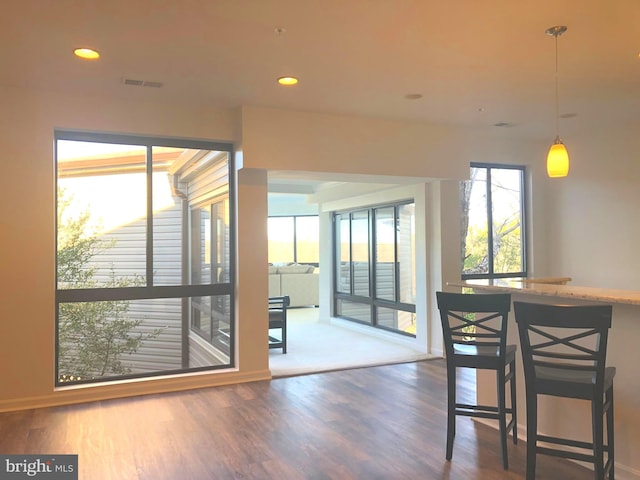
371,301
149,291
523,226
195,320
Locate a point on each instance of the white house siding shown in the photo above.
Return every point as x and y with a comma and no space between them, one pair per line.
209,186
406,253
128,257
209,183
385,281
163,352
384,285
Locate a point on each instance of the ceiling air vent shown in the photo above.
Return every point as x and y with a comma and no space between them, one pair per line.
141,83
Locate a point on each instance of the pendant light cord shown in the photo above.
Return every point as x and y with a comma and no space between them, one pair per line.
557,125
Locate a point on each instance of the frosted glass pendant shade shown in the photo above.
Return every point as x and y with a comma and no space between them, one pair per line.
558,160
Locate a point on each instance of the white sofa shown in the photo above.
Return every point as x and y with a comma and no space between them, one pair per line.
299,282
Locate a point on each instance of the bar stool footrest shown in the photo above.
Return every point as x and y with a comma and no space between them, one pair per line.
557,452
565,441
481,411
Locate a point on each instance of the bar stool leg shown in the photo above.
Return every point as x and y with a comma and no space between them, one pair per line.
598,433
502,415
512,384
451,409
610,435
532,426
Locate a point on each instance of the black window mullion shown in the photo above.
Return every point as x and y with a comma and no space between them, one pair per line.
523,219
489,223
295,239
396,243
352,268
373,246
149,169
213,244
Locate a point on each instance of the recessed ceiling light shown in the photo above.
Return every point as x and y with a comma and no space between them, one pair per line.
86,53
568,115
413,96
287,81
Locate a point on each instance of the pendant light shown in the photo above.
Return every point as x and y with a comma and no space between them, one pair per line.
558,157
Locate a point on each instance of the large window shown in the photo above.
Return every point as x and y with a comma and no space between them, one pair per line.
144,256
294,239
493,222
375,266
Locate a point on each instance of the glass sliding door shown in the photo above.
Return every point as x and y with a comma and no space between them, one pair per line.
385,241
201,246
360,252
375,266
210,265
342,242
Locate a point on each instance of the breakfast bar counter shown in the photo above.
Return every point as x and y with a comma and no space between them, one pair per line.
552,287
567,416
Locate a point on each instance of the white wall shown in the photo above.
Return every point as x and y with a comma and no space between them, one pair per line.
27,253
592,220
302,141
270,139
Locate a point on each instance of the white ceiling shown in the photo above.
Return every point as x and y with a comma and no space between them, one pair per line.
476,63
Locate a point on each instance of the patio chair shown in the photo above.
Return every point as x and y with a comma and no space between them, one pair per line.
278,322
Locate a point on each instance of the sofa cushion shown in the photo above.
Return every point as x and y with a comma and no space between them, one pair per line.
289,269
274,285
302,289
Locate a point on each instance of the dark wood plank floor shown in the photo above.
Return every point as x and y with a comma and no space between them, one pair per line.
383,423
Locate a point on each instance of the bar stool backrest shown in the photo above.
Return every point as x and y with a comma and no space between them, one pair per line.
564,344
474,319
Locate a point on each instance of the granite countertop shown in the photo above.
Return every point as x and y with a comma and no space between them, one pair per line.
551,288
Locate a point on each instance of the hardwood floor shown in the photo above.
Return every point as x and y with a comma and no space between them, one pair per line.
382,423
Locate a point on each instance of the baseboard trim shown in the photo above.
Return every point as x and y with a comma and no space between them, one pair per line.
295,371
623,472
131,388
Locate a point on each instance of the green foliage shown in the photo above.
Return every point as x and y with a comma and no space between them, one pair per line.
508,256
506,245
475,250
470,328
506,249
92,336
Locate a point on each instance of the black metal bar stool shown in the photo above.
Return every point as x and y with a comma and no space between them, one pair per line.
474,328
564,350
